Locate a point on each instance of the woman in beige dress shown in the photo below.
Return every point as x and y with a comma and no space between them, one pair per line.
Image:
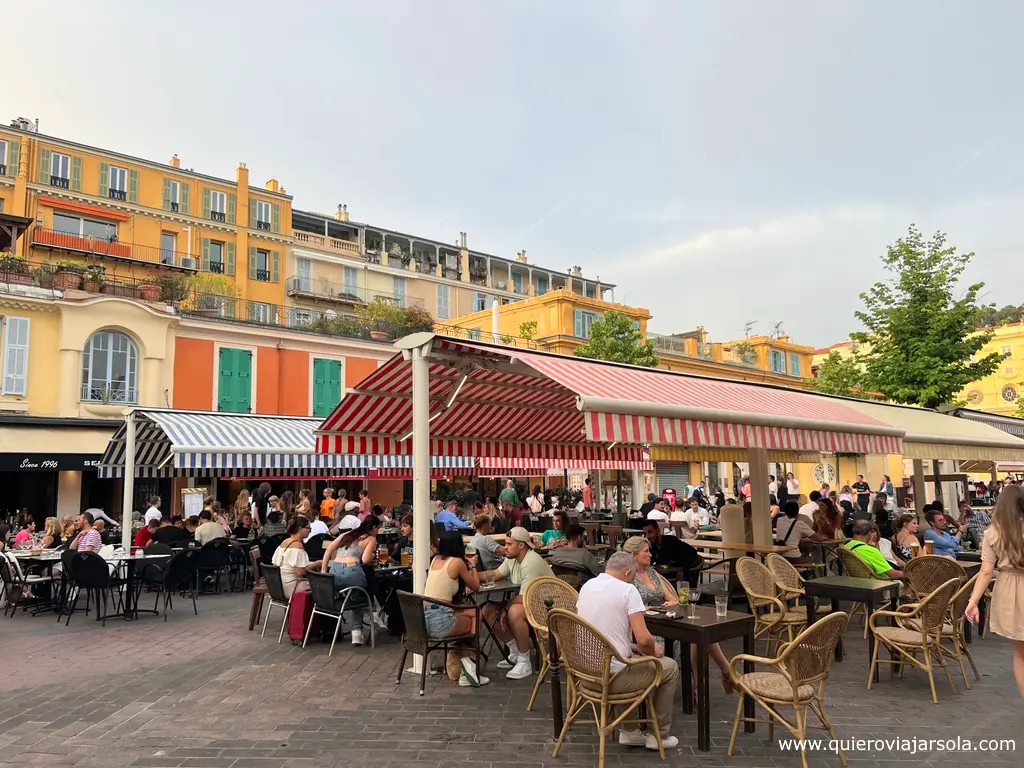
1002,548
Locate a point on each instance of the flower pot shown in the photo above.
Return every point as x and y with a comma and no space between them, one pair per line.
110,289
64,281
15,278
149,292
92,286
378,336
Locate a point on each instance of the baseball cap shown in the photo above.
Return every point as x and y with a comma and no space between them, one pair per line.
351,506
349,523
521,534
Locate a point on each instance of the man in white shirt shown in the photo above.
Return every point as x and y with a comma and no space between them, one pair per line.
208,530
153,513
614,607
773,487
687,513
811,507
315,528
658,513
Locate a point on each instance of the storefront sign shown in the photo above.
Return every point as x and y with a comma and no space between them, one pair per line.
48,462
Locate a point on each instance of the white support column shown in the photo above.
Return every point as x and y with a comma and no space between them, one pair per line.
919,490
495,321
757,460
129,482
637,489
422,519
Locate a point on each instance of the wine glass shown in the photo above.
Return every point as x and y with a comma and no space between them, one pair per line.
694,597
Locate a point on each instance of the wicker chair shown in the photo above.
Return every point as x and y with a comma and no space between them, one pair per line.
587,657
953,630
925,573
918,629
569,575
858,569
537,591
788,581
799,679
759,584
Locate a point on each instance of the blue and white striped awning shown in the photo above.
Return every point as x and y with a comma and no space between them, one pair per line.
194,443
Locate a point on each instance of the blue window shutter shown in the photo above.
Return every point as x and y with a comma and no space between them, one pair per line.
578,323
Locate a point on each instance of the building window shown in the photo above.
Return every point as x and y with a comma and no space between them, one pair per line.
110,364
260,312
482,301
542,284
216,256
16,336
304,275
582,321
1009,394
76,225
3,159
350,282
443,311
777,361
218,205
975,396
300,318
168,247
399,283
1007,351
60,170
261,270
117,183
517,282
794,364
172,195
234,380
263,215
326,386
474,334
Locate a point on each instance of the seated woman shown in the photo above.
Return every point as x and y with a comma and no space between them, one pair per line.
656,591
27,527
794,528
51,534
445,577
828,523
884,546
291,556
906,544
555,537
346,556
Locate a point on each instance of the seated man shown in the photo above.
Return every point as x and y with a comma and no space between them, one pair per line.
449,518
490,553
575,556
942,542
145,533
613,606
670,550
208,530
88,538
860,545
170,531
242,529
521,566
660,511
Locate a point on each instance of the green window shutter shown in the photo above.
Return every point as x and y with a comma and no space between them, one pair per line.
243,389
226,381
578,323
275,266
326,387
45,162
104,179
252,262
206,203
76,173
275,218
232,204
133,186
183,198
206,255
229,259
252,213
167,194
13,157
333,385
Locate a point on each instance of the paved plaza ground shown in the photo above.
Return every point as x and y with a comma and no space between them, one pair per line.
204,691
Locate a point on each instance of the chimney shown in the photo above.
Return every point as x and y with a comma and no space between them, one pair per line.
242,176
462,240
342,213
272,186
521,257
175,161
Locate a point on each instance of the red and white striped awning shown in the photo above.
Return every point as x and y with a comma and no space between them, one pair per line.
514,404
494,464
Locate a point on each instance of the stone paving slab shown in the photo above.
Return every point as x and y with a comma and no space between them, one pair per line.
205,692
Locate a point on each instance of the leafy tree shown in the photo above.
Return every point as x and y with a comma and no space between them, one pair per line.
990,317
528,329
614,338
922,326
839,375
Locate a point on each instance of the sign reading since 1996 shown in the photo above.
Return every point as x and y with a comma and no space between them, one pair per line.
48,462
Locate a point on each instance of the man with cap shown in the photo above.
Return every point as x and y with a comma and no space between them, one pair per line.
349,520
522,565
648,505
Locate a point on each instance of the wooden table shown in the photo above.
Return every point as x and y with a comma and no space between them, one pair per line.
872,592
705,629
709,534
740,546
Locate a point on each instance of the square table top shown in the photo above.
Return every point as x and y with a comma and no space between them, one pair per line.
707,627
850,587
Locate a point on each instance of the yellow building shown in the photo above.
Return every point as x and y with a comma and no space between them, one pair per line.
1000,392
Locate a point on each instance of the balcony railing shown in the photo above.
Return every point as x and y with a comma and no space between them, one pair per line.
217,266
110,249
317,288
3,169
263,275
264,225
59,181
478,334
117,194
218,216
40,278
324,243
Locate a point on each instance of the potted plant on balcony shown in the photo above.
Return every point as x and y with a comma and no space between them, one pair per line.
150,291
67,274
745,352
14,269
44,275
93,278
381,318
173,288
208,294
478,273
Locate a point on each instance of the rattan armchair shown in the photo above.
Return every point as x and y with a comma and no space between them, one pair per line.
801,673
917,629
858,569
537,591
953,630
759,584
923,574
587,657
788,581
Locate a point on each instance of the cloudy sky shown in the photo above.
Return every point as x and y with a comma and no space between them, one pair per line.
721,162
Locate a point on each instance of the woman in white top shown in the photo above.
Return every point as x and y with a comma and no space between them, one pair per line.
792,485
536,501
291,557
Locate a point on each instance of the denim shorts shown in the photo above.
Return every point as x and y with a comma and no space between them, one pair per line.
439,619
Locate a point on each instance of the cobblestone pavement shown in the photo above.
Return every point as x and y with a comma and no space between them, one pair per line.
204,691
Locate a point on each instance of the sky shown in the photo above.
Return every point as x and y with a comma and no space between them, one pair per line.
722,163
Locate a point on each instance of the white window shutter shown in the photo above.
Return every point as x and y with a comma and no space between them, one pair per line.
16,356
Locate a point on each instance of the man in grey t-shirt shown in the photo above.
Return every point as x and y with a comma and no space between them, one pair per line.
575,556
490,551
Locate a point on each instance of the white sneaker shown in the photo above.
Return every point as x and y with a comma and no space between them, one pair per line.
668,742
513,657
465,683
469,671
521,670
380,621
635,738
357,637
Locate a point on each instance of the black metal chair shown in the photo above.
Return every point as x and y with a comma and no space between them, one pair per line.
278,597
15,580
67,583
182,573
315,547
215,559
331,602
416,639
91,573
267,545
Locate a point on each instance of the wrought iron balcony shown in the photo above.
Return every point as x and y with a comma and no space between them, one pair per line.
264,225
217,266
342,293
174,207
58,181
117,194
217,216
263,275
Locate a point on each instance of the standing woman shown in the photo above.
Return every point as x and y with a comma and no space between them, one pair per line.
262,502
302,508
536,501
242,505
792,486
287,505
1003,548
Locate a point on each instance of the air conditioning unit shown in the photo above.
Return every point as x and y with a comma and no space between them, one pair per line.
187,262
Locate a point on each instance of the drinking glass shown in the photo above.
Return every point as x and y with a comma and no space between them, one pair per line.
694,597
684,597
721,605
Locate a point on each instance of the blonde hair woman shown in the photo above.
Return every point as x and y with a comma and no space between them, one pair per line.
242,503
1002,548
51,533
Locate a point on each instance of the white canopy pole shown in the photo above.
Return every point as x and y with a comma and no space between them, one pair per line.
129,482
422,518
757,459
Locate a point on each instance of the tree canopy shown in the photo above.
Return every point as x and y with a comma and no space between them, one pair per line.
990,317
922,337
614,338
839,375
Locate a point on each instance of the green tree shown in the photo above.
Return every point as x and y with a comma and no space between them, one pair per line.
991,317
528,329
922,331
839,375
614,338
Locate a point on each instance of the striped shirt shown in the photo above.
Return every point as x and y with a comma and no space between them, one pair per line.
90,538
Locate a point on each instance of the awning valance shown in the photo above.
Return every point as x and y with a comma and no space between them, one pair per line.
679,453
1009,424
492,464
196,443
498,401
933,435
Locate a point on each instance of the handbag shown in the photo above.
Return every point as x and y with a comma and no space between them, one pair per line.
785,542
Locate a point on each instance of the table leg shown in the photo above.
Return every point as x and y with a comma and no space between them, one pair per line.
686,677
703,699
748,667
809,605
129,589
839,645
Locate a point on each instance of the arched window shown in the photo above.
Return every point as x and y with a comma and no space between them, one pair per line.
110,366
